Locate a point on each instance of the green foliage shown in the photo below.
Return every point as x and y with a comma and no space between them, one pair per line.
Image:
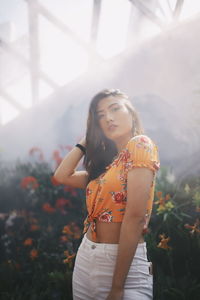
174,239
41,226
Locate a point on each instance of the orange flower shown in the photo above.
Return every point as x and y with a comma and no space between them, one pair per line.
68,260
67,230
71,190
28,242
57,157
77,231
34,227
62,202
161,201
33,254
193,227
72,231
159,194
66,253
34,150
33,220
167,197
64,238
54,181
29,182
77,236
163,242
164,203
48,208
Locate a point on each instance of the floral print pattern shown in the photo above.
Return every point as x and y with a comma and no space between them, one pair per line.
105,216
88,191
118,197
106,196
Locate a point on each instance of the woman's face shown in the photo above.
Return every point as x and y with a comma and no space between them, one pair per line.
114,118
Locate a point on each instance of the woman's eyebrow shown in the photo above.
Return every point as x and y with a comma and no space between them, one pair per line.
98,111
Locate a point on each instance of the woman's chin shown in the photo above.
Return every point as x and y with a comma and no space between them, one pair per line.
113,137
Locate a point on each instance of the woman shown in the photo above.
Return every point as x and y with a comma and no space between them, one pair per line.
121,164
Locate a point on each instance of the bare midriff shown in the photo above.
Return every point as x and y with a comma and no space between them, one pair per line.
107,233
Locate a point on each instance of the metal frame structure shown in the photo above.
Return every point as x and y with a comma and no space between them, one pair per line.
35,8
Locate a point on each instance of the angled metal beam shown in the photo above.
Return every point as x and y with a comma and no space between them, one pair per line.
10,99
178,8
133,27
34,48
1,121
169,6
161,9
147,13
95,20
9,49
66,30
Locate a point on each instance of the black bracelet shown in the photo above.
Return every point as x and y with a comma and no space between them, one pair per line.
81,147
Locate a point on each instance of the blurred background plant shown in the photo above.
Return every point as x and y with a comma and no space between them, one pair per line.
41,224
41,229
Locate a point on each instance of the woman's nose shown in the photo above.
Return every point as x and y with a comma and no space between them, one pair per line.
109,116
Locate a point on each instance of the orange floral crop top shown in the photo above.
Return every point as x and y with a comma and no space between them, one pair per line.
106,195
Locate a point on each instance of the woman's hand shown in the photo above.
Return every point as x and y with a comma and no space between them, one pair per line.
115,295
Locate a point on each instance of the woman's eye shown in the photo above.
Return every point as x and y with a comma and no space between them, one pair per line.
100,116
115,108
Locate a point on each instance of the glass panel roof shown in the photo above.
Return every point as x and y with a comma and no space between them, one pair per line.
62,56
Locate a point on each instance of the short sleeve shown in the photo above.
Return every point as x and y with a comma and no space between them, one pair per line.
142,152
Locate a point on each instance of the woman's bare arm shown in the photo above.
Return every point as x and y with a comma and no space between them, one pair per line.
138,187
66,172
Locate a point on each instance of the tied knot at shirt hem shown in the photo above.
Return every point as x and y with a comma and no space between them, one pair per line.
92,222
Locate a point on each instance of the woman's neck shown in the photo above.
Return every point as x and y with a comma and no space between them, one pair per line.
121,142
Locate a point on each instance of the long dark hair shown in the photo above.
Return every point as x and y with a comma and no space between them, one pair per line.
100,150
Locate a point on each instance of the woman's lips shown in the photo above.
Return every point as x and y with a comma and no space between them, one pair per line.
112,127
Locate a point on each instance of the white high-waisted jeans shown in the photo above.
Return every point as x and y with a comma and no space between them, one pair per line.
94,267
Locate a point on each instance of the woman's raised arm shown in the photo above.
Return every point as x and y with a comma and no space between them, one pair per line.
66,172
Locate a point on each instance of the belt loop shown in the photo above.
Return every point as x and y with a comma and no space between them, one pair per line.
151,268
83,240
145,249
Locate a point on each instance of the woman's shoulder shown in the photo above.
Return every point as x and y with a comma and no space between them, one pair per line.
143,151
141,139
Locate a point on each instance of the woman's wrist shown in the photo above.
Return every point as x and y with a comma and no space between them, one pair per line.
81,147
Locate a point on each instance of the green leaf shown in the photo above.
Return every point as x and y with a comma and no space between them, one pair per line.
176,216
165,217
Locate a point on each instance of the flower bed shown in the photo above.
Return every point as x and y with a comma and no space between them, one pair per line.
41,225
